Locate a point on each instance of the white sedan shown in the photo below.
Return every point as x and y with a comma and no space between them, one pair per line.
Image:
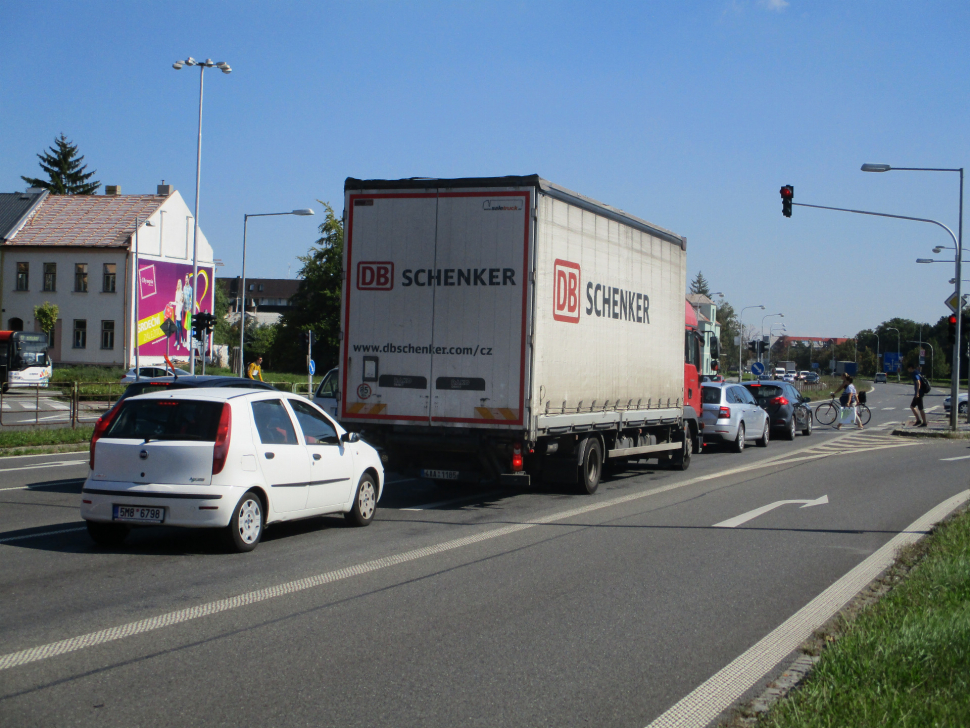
962,399
224,458
151,373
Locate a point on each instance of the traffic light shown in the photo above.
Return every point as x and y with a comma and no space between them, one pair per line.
753,347
787,196
951,329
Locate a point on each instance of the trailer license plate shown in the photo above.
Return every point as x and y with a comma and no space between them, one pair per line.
440,474
140,514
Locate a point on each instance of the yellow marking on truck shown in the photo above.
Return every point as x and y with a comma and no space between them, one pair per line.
362,408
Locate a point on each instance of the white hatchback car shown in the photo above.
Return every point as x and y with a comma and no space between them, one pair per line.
224,458
151,373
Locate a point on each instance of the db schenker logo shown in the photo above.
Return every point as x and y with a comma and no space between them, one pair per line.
375,276
566,280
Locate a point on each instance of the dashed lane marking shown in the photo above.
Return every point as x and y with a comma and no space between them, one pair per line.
92,639
887,409
719,692
962,457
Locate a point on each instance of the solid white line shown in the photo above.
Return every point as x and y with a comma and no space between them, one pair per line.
41,466
962,457
43,652
720,691
42,533
453,501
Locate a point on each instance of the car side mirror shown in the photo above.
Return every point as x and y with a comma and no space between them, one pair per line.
350,437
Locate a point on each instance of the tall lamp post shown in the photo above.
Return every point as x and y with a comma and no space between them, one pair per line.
242,309
741,340
767,316
224,67
958,259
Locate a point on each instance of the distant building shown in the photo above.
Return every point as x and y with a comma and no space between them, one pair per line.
267,299
707,327
77,251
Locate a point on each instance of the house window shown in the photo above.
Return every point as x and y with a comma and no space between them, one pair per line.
252,287
81,279
23,275
107,334
80,334
50,337
50,277
260,286
109,283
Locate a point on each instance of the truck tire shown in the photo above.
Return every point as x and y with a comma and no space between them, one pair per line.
681,458
591,467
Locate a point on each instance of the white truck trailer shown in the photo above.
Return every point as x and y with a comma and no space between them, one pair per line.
510,329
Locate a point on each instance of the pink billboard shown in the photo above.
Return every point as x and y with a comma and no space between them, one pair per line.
165,293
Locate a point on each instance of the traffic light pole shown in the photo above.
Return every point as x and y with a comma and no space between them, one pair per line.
957,244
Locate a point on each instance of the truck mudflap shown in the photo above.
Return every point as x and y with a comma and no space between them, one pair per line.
520,480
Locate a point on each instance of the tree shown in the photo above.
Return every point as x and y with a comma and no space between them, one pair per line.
222,334
63,166
700,285
728,320
316,304
46,316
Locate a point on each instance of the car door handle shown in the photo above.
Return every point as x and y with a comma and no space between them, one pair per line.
270,455
316,456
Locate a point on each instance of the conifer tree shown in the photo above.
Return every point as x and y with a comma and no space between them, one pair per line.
63,166
700,285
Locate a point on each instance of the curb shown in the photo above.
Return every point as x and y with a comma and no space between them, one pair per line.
934,434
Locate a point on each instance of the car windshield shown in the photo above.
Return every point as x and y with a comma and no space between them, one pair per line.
166,419
711,395
764,391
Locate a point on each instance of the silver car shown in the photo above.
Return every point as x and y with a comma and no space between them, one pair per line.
731,415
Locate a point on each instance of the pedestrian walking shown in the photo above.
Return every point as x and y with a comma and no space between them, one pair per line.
256,369
921,385
844,398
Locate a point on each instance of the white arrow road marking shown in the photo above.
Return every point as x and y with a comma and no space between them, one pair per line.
745,517
962,457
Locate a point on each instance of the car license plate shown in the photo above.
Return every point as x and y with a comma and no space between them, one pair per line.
440,474
141,514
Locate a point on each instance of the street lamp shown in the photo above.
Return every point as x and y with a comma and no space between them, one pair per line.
137,293
741,338
242,291
957,261
224,67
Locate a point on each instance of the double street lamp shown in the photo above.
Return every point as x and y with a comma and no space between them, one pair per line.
224,67
957,260
242,289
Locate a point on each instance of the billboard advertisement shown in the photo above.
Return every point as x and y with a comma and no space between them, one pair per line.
167,292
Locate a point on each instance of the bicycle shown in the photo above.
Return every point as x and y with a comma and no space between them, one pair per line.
828,412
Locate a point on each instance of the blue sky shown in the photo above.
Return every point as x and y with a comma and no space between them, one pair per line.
690,115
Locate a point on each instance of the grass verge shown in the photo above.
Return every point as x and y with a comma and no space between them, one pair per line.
904,661
35,438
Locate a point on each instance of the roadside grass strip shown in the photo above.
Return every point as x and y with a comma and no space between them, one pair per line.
719,692
31,437
905,661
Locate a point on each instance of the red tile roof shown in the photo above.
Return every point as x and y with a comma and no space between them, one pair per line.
105,221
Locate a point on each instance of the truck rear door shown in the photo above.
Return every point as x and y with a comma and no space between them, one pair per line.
435,319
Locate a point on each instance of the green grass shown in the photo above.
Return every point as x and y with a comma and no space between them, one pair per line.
33,438
905,661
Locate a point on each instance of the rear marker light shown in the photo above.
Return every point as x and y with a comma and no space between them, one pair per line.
517,459
724,413
778,400
87,502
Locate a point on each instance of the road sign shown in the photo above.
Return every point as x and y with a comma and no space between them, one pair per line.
814,365
951,301
313,367
890,362
168,327
757,368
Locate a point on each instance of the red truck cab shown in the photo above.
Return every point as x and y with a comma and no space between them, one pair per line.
692,361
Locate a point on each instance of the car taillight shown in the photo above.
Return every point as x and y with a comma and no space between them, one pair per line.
724,413
778,400
221,449
104,421
517,460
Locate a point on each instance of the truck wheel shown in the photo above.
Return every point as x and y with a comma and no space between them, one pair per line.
592,467
681,460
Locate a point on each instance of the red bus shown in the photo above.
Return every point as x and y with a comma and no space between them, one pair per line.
24,361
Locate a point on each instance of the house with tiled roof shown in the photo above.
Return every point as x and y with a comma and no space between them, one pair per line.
79,252
267,299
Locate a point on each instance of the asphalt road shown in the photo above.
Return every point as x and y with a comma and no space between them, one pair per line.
456,606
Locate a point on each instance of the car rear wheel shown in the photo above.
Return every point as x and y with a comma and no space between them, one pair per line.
365,502
763,440
107,534
246,525
962,409
738,445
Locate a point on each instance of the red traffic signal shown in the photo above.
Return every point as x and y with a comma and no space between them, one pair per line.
951,326
787,195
